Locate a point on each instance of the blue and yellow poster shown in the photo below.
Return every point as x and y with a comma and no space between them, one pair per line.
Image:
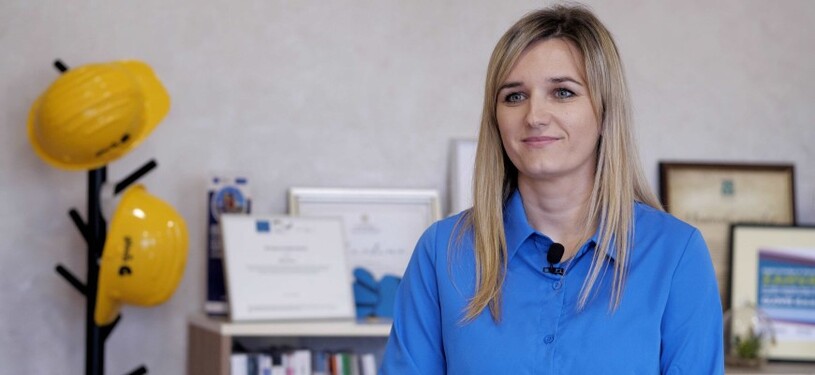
786,291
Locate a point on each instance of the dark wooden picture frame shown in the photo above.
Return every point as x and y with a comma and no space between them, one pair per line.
713,196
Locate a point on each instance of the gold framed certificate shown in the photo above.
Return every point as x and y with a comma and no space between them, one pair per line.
712,196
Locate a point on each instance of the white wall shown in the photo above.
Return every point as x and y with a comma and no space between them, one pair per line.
350,94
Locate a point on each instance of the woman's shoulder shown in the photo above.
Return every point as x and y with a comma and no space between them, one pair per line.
437,239
447,226
440,233
674,239
651,220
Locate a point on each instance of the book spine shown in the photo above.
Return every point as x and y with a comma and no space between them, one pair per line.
368,364
238,364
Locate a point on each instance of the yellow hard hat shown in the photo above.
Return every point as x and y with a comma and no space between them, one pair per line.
144,255
94,114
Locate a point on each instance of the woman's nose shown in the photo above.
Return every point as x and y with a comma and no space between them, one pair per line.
539,111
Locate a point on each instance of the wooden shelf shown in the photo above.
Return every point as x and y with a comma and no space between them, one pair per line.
775,368
316,328
209,339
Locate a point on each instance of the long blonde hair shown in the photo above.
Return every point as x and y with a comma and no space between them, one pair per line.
618,182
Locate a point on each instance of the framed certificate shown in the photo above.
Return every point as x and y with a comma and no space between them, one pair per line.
462,167
711,197
381,226
284,268
381,229
773,268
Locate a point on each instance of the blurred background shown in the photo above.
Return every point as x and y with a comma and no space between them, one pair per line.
358,94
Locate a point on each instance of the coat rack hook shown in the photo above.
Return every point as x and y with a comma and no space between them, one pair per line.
80,224
60,66
147,167
78,285
106,330
139,371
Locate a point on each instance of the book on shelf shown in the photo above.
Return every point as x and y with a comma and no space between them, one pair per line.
367,364
350,363
239,364
288,361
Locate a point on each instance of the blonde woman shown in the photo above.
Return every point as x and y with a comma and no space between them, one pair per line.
566,263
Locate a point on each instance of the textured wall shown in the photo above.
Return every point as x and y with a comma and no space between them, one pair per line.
350,94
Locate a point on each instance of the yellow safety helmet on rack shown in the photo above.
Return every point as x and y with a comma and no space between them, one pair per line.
144,255
96,113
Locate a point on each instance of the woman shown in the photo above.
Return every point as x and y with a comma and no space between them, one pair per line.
488,291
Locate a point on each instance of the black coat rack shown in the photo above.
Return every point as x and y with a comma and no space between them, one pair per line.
94,231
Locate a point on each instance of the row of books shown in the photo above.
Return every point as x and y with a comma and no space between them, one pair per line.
302,362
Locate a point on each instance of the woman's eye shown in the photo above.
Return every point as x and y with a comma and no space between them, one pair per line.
563,93
514,97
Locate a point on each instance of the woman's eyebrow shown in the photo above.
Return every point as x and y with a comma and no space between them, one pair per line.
564,79
559,79
509,85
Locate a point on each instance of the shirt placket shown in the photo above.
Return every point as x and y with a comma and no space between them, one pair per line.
551,306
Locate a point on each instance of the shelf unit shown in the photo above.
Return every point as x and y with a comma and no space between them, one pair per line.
210,342
209,339
776,369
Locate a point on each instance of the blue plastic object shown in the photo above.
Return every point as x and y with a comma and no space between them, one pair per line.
372,298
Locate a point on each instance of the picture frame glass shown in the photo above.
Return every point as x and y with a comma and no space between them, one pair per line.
379,235
773,268
382,227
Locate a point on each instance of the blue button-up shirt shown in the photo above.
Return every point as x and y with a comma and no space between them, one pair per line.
669,320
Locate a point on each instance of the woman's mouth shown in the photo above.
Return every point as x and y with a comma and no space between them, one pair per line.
539,141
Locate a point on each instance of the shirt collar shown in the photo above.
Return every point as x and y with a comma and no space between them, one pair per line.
517,228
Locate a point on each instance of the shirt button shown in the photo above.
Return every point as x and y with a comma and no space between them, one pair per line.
556,285
548,339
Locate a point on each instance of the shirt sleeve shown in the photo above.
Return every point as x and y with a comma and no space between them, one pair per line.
692,322
415,342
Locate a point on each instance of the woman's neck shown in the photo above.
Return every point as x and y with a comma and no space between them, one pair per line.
559,209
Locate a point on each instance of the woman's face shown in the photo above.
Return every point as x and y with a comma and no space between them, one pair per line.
545,115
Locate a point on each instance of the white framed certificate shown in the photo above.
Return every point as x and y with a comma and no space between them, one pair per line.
382,226
285,268
462,167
